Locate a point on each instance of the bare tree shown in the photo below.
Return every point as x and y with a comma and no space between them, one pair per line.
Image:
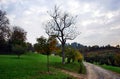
61,25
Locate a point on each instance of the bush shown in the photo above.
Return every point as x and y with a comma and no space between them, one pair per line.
78,56
117,59
101,58
73,55
70,54
82,68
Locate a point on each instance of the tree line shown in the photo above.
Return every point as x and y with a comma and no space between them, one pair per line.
104,57
109,55
12,38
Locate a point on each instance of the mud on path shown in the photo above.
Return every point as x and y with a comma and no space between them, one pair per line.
95,72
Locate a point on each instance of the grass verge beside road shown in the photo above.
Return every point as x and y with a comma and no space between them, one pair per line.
111,68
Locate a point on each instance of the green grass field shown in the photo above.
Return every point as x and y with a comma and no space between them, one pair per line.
31,66
111,68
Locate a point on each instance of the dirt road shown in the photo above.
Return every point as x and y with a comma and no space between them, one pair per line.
95,72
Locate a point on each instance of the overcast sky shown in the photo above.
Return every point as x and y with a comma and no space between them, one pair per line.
98,20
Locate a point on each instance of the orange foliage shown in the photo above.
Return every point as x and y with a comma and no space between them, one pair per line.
52,44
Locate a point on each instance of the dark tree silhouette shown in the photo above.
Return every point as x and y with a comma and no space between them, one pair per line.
29,47
18,34
18,41
4,26
61,25
4,30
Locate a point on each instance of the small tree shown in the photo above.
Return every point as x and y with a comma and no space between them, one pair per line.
62,26
51,47
46,46
79,58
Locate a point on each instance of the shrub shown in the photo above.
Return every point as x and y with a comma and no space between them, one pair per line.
70,54
117,59
78,56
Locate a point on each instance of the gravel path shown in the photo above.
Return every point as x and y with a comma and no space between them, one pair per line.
95,72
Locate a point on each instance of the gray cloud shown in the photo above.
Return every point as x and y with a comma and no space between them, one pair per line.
98,20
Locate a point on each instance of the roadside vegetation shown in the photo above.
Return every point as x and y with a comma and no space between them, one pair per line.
111,68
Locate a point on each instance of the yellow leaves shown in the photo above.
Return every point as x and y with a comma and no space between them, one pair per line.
73,54
78,56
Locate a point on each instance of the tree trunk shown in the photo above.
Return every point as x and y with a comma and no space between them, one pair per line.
63,54
48,63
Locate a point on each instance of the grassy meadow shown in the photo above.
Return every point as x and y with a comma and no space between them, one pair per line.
33,66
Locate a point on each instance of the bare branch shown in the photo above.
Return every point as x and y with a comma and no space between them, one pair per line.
62,25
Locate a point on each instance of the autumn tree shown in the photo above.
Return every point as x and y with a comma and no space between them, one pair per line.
61,25
18,40
52,41
50,47
4,29
46,46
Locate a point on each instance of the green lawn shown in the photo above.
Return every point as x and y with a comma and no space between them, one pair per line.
32,66
112,68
